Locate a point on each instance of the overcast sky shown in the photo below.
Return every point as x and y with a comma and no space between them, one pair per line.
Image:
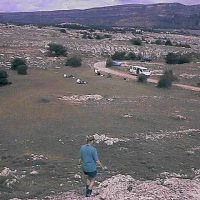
34,5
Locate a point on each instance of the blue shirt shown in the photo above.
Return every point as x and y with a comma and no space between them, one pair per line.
89,157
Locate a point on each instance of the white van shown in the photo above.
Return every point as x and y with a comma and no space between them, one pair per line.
136,70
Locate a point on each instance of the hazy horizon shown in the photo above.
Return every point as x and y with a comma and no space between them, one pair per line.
50,5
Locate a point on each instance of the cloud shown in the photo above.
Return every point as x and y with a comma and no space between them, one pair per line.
33,5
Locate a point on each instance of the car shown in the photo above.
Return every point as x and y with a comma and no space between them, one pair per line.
136,70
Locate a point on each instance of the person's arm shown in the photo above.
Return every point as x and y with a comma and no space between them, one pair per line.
99,163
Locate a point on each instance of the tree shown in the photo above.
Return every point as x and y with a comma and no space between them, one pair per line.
130,56
63,30
166,79
118,55
176,58
57,50
142,78
136,41
158,42
109,62
17,62
74,61
168,43
22,69
3,78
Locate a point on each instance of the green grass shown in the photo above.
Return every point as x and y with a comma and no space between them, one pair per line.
34,121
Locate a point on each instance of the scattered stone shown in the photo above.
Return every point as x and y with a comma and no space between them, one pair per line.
108,140
34,172
80,98
122,187
179,117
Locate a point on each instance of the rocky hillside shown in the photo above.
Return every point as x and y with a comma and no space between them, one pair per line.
167,15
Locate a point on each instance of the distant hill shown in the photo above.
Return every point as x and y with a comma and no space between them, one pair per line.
163,15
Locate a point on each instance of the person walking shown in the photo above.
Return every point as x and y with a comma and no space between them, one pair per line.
89,160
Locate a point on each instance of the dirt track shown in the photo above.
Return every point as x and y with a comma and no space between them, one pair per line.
101,66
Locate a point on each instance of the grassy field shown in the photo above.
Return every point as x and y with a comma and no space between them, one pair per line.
41,135
35,121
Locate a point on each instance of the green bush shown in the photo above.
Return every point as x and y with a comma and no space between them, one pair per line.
159,42
74,61
119,55
166,79
130,56
57,49
17,62
168,43
109,62
63,30
142,78
136,41
22,69
139,56
3,74
176,58
3,78
163,83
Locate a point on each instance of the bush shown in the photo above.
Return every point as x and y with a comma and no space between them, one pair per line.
17,62
183,59
163,83
119,55
74,61
3,78
159,42
139,56
56,49
173,58
142,78
130,56
166,79
22,70
168,43
136,41
63,30
3,74
109,62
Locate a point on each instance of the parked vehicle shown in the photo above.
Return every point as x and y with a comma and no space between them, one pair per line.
136,70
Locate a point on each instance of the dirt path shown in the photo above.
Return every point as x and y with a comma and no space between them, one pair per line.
101,66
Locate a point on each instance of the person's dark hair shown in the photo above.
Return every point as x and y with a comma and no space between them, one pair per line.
90,138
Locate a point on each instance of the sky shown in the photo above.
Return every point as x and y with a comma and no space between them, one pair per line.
42,5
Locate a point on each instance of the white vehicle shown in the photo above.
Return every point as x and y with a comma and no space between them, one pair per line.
136,70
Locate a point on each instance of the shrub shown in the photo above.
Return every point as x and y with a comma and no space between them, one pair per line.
22,69
3,78
163,83
56,49
139,56
109,62
142,78
3,74
173,58
63,30
159,42
17,62
118,55
74,61
168,43
98,37
166,79
136,41
183,59
130,56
